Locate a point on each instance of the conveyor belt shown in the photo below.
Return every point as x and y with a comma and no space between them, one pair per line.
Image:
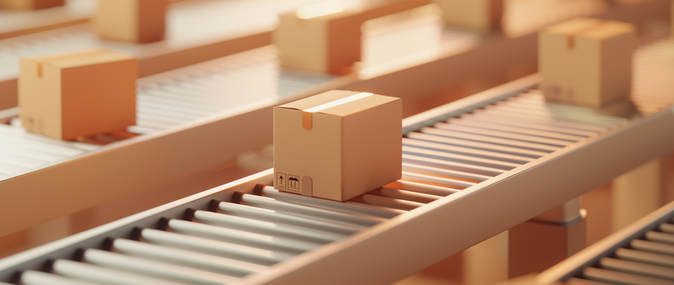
255,232
189,25
169,104
196,31
262,235
642,253
227,86
251,232
199,146
16,23
197,24
240,83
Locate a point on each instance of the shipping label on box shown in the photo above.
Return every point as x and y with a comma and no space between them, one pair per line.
338,144
82,93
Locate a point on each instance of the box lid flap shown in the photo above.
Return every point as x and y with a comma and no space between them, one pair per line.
608,30
351,107
591,28
574,26
339,102
81,58
319,99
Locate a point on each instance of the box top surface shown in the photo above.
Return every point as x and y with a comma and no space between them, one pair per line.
363,10
591,28
81,58
339,102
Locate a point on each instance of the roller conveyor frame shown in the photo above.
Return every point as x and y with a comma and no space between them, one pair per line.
179,49
19,23
412,241
215,132
573,266
489,207
204,137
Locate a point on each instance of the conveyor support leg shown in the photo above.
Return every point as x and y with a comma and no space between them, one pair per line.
547,239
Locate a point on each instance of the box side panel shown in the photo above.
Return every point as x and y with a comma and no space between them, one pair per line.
553,66
117,20
151,20
99,98
344,43
616,67
40,98
570,73
587,72
302,43
473,15
315,153
496,9
372,147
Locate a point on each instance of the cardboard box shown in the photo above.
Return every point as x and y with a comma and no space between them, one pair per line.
338,144
475,15
586,61
138,21
30,4
76,94
326,37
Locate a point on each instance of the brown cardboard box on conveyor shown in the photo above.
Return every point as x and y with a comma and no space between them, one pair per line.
587,61
78,94
338,144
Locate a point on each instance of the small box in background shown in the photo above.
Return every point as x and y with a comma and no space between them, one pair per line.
326,36
475,15
137,21
30,4
587,61
327,42
338,144
82,93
